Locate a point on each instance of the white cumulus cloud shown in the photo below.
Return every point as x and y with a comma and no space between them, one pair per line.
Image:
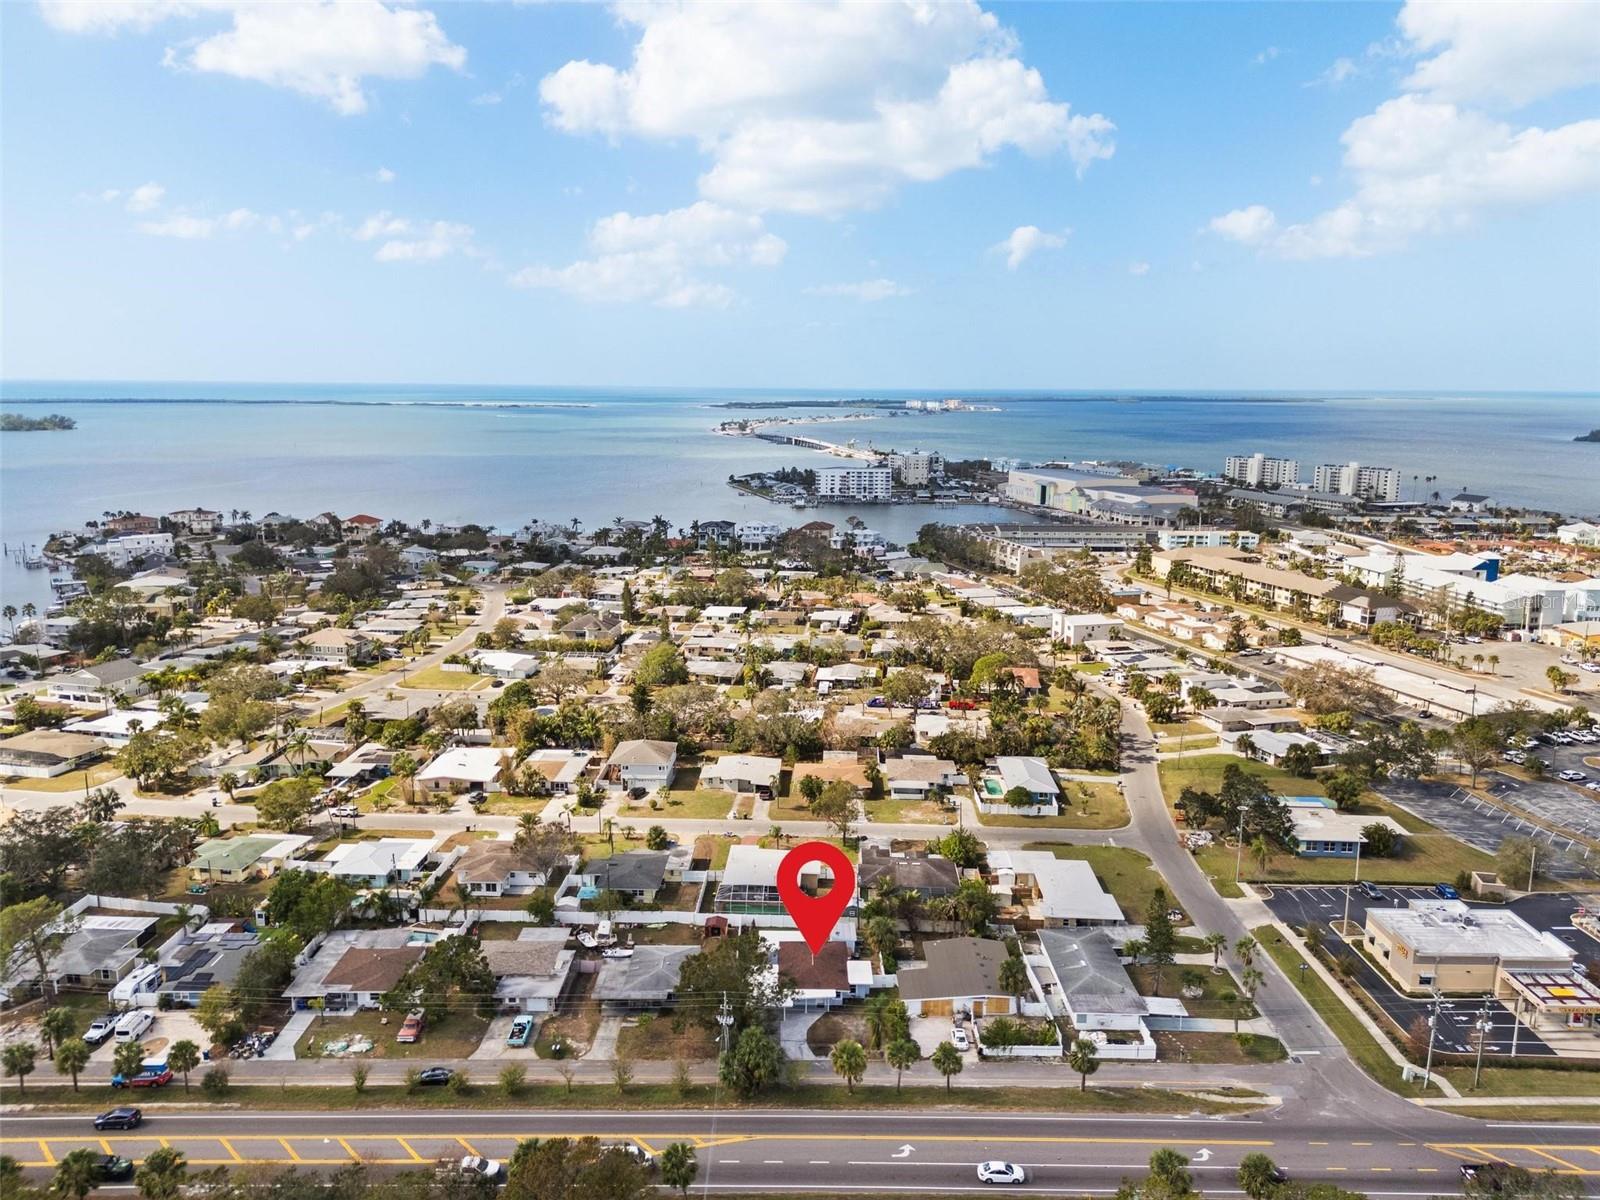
1027,240
144,198
326,49
823,107
1425,162
383,175
658,258
1139,268
188,227
402,239
868,291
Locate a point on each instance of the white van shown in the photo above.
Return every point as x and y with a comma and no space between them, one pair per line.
134,1026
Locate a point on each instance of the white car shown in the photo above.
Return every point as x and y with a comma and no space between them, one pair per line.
482,1168
958,1039
996,1171
1591,667
1573,777
347,810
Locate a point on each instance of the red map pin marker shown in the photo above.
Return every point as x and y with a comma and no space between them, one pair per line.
816,915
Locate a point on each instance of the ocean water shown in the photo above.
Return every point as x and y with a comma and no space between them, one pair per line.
503,455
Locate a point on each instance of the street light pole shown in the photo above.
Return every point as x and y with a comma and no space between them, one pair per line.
1238,858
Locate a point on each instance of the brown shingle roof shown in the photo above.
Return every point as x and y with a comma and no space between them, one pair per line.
361,970
827,970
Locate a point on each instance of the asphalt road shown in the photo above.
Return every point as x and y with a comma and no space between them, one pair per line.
843,1152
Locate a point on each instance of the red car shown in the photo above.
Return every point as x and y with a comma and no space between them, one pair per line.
149,1079
964,705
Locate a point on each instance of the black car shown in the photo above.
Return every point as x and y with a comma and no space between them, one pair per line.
434,1076
112,1168
119,1118
1370,890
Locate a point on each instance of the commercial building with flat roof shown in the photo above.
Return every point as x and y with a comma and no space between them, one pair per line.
1451,946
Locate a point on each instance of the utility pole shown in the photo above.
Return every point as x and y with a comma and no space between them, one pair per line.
1433,1023
1483,1035
1238,857
1346,921
1533,857
725,1019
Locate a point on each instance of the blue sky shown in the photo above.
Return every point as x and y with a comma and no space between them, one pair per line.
1073,196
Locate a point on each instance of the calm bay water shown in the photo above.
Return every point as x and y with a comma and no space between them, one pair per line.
503,455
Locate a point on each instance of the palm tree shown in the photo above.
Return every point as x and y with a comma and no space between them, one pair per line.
183,1057
56,1026
1083,1059
947,1061
849,1062
1216,943
1133,948
161,1175
229,783
77,1174
881,936
1014,976
72,1056
1230,1001
900,1054
1251,979
1245,948
527,829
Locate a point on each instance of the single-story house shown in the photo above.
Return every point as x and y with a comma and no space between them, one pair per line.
1032,775
786,675
561,769
928,875
192,962
636,874
462,768
842,765
842,675
915,776
1323,832
1053,892
824,979
47,753
353,968
506,664
530,973
375,864
957,975
234,859
97,951
646,979
741,772
1273,747
497,869
714,670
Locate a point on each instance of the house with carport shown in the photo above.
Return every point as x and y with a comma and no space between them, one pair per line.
959,974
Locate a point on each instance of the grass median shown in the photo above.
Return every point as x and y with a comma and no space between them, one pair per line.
1357,1039
268,1097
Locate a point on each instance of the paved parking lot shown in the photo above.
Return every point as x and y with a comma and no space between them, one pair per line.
1483,826
1551,913
1549,800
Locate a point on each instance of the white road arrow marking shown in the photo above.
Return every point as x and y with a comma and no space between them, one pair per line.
1203,1155
904,1151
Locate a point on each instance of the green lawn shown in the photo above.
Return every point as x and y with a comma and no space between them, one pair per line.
454,1036
1225,1048
908,812
437,679
1363,1047
502,805
1208,1003
1084,805
1126,874
696,805
1531,1081
72,781
1175,729
1204,771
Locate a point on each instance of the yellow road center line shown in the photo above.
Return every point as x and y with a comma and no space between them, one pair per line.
1429,1170
406,1146
1338,1168
1382,1168
44,1145
228,1146
105,1146
467,1145
290,1150
646,1145
348,1150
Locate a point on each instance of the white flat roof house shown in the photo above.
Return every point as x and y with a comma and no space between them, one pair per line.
375,864
1055,891
561,768
506,664
469,766
1077,628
